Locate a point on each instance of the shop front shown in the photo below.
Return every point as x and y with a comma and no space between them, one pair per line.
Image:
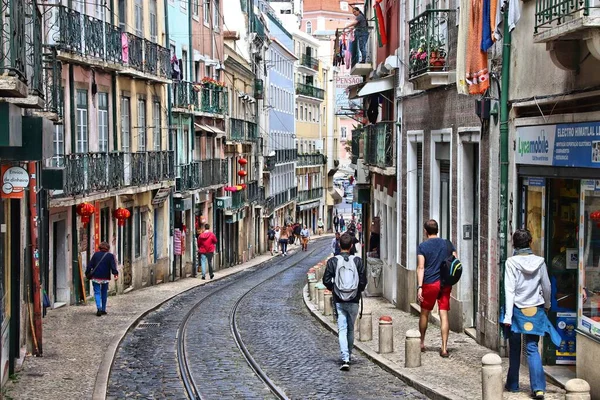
558,169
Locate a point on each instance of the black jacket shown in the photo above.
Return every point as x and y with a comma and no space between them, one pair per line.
329,275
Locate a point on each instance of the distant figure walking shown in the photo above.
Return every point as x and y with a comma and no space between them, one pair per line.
342,224
206,247
271,238
276,242
284,237
98,271
320,226
335,244
336,223
304,237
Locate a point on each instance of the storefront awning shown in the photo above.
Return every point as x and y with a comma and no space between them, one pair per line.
201,127
216,130
377,86
308,206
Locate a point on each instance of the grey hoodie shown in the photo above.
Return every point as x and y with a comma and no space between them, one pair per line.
526,283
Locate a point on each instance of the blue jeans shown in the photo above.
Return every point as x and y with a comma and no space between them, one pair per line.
206,258
101,295
362,38
347,313
537,379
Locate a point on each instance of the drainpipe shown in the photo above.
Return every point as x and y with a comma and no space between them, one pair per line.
170,139
193,136
114,89
504,143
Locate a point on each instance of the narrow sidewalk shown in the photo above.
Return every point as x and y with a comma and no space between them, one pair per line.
79,347
456,377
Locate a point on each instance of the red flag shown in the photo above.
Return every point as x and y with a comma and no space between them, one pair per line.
380,24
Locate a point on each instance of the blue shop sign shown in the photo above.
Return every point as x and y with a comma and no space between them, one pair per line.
561,145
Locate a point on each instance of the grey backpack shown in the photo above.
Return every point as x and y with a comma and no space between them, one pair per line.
346,278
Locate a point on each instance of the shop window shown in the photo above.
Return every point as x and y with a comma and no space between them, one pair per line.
103,122
137,232
590,321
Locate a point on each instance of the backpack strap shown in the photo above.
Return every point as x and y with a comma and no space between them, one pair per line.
449,247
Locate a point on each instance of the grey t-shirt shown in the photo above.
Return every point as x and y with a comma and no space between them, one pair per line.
362,23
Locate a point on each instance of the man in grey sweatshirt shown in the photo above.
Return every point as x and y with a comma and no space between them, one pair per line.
527,289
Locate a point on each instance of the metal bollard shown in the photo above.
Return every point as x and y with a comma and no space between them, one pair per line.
386,335
365,327
320,298
577,389
312,290
327,302
412,349
491,377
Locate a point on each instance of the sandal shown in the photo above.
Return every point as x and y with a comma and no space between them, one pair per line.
444,355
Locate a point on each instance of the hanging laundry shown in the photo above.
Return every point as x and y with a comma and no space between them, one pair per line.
125,48
486,39
477,73
347,53
177,242
510,8
380,24
461,46
493,13
175,70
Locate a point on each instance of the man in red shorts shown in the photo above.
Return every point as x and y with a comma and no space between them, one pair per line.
430,255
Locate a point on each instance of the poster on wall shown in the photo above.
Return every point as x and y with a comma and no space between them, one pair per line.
566,322
561,145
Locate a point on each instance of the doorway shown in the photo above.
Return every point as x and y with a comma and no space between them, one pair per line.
61,292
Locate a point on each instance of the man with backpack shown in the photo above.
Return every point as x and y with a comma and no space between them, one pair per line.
431,256
271,238
346,277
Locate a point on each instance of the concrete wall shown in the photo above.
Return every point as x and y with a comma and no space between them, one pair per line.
588,353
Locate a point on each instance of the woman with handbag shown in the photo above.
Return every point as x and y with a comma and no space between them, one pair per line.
284,237
98,271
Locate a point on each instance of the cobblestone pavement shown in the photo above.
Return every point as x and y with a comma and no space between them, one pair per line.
75,340
300,355
456,377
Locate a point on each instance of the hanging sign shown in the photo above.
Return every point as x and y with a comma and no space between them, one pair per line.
14,182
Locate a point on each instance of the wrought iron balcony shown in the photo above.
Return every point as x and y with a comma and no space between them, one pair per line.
184,95
356,137
96,40
269,206
293,193
53,90
428,40
285,155
237,129
310,159
309,91
310,61
379,144
13,49
551,13
252,131
202,174
310,195
238,199
33,39
214,99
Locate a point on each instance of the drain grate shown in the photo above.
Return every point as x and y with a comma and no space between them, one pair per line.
144,324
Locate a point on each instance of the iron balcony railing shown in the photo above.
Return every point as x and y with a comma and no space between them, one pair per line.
33,40
309,91
202,174
237,129
53,90
293,193
354,51
100,172
549,13
252,131
379,144
90,37
428,40
310,159
356,137
269,205
13,49
184,95
214,99
309,195
310,61
285,155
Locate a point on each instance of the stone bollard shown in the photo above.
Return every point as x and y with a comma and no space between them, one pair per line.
327,302
320,296
412,349
365,327
312,290
311,274
491,377
386,335
577,389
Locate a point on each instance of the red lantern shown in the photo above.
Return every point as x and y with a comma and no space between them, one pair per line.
85,211
242,173
121,214
244,186
242,161
595,216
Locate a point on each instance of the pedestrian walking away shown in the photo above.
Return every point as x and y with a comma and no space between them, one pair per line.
335,244
342,224
346,277
98,271
430,255
284,237
277,237
305,236
271,239
360,232
527,298
297,229
336,223
320,226
206,247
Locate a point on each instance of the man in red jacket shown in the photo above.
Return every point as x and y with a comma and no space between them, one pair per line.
206,247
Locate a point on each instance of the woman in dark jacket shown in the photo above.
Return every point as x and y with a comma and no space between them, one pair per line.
99,268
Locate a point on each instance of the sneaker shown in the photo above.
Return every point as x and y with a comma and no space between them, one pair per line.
539,395
103,312
203,277
98,313
345,366
212,276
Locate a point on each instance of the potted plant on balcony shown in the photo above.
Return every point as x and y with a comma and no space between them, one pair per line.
437,53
